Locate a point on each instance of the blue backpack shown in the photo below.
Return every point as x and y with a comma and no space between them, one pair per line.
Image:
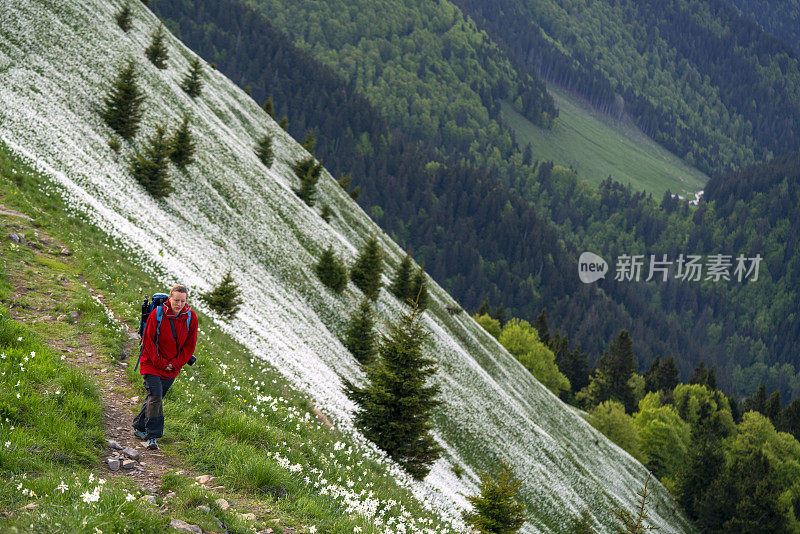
156,302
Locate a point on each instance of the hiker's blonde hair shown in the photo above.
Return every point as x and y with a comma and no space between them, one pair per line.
179,289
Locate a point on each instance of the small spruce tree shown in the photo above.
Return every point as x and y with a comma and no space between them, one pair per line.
122,109
310,141
308,170
360,337
182,145
269,107
395,406
401,285
284,123
331,271
149,165
420,289
355,192
326,213
192,83
157,51
264,151
224,299
498,508
366,273
345,181
124,17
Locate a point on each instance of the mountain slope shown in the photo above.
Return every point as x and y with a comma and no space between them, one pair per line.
228,212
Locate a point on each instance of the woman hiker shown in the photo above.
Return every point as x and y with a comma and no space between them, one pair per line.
161,363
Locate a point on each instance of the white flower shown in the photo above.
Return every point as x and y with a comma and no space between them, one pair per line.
8,444
62,487
94,496
356,529
312,529
19,338
129,497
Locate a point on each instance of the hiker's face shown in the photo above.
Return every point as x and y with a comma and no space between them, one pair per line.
177,301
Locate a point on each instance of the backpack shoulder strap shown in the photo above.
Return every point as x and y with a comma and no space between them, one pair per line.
188,320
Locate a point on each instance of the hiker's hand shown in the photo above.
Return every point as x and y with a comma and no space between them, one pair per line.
169,367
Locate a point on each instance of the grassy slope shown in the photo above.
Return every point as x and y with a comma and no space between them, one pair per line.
597,146
230,415
229,212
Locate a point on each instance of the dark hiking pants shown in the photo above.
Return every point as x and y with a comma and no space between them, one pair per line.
151,417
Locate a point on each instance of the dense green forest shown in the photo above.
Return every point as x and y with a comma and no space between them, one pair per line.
780,18
511,233
697,76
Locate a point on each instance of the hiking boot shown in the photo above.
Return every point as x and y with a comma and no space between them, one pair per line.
152,445
140,434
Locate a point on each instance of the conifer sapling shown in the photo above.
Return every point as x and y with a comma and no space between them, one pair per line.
192,84
182,145
360,336
331,271
149,165
396,405
122,109
124,17
264,151
498,508
308,170
269,107
157,51
224,299
366,272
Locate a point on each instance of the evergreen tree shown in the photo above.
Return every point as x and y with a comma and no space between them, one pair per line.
700,374
149,165
366,273
662,376
269,107
498,508
157,51
483,309
360,337
331,271
542,328
326,212
355,192
396,405
182,145
192,83
617,365
224,299
264,151
308,170
789,420
757,402
419,288
772,408
345,181
284,123
123,104
401,285
124,17
500,314
736,412
310,141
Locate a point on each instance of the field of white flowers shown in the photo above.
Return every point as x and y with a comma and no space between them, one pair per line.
229,212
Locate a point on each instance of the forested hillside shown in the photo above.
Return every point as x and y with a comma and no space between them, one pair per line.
699,77
781,18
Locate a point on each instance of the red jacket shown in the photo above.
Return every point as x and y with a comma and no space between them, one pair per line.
155,363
